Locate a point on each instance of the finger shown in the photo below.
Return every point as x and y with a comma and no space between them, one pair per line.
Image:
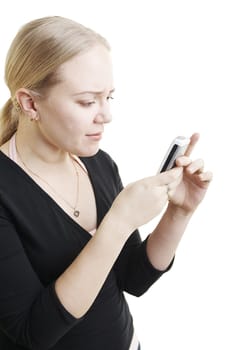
197,166
183,161
167,190
193,140
206,177
168,176
170,188
173,185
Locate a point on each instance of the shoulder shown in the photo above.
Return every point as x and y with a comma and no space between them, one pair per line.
5,148
9,172
4,165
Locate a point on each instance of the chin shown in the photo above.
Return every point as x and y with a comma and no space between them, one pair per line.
87,153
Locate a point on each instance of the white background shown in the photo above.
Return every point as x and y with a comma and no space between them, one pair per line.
173,75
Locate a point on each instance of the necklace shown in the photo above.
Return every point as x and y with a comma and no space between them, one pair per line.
76,212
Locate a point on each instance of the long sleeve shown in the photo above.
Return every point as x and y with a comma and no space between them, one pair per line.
30,314
134,271
38,241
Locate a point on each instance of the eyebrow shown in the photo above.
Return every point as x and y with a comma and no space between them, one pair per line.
96,92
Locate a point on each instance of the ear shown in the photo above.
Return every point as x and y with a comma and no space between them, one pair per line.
26,100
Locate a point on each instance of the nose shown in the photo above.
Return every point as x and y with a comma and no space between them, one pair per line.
103,114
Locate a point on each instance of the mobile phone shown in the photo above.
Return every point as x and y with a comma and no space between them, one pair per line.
176,149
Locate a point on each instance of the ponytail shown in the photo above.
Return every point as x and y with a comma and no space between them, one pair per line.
8,121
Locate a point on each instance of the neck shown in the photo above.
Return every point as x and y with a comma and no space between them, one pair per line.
32,144
62,174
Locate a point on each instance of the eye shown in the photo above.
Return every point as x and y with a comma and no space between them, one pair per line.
109,98
86,103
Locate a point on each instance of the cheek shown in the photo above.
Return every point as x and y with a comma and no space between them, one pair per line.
76,123
68,118
78,119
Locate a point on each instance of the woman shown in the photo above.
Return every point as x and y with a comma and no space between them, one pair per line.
69,245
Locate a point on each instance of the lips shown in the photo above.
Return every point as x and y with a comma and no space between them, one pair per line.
95,136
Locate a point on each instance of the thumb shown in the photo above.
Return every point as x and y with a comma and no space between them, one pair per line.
169,176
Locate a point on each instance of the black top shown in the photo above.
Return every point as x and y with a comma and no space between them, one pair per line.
38,241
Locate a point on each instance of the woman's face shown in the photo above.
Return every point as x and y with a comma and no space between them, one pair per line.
73,114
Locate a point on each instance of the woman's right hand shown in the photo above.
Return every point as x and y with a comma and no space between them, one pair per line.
141,201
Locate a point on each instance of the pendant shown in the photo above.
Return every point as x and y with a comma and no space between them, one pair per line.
76,213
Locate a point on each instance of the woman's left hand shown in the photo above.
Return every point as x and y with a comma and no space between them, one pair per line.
192,188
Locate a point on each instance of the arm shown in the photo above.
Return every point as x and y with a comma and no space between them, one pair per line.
30,314
36,316
134,271
101,252
184,198
164,240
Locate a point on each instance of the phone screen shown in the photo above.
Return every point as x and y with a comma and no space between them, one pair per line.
176,149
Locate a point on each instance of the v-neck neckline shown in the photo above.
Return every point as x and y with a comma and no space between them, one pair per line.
27,177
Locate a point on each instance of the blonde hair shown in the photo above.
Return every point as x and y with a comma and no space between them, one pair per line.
34,56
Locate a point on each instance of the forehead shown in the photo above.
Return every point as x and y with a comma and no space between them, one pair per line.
90,70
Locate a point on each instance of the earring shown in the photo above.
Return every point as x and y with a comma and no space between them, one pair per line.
16,105
32,119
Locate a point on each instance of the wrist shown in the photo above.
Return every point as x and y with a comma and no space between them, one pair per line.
178,212
116,225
